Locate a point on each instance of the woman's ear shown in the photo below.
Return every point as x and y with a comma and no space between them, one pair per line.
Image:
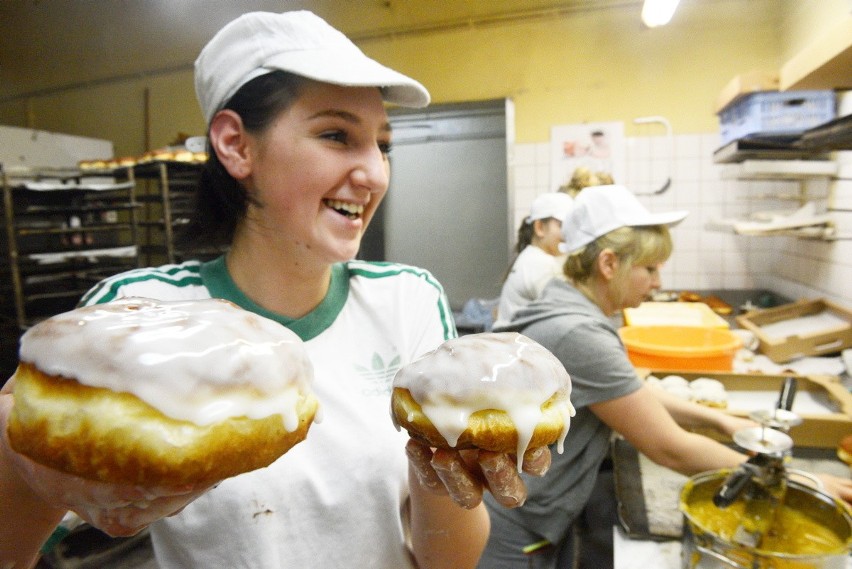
607,264
230,141
538,227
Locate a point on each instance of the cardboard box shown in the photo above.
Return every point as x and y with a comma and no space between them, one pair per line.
822,402
803,328
745,84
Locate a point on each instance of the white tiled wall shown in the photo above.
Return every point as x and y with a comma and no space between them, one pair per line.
715,259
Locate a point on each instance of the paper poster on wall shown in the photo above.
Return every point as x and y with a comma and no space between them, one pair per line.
596,146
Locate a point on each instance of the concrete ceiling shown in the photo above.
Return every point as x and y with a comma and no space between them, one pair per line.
50,45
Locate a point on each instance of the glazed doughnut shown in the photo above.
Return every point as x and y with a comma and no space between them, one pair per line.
709,392
844,450
501,392
703,390
673,381
160,393
673,384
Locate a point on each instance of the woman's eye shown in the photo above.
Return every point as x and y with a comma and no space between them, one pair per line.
385,147
335,135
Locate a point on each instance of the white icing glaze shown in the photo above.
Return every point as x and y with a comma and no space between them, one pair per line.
709,396
201,361
699,389
679,391
707,384
674,381
504,371
708,390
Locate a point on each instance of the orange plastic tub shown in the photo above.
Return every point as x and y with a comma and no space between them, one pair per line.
680,347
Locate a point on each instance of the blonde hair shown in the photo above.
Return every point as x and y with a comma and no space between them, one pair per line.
584,178
649,245
604,178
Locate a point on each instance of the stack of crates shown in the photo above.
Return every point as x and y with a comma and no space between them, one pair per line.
776,113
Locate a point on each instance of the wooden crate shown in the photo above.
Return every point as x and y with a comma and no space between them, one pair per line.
827,340
820,428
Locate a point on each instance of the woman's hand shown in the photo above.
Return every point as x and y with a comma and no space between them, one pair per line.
465,474
838,487
730,424
118,510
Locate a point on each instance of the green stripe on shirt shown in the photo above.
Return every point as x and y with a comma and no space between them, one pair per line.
378,270
185,274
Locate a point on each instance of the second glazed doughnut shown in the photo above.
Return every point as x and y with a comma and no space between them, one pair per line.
495,391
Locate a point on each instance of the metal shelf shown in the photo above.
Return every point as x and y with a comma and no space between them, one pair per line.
43,211
167,203
780,170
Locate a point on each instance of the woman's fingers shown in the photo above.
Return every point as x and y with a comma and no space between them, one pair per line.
117,509
504,482
420,459
465,474
463,486
537,461
133,518
839,487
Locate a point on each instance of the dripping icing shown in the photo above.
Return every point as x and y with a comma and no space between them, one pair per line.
201,361
515,375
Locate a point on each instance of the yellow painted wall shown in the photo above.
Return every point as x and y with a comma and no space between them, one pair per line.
599,66
804,20
593,65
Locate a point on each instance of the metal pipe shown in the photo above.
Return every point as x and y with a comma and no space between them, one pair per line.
670,139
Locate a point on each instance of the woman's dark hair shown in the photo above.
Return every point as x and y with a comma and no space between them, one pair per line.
526,231
220,200
525,235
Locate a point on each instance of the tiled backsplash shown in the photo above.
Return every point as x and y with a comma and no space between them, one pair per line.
707,258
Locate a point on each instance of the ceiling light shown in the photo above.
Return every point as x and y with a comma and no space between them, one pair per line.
658,12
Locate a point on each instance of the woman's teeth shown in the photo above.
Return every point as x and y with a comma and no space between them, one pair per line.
350,210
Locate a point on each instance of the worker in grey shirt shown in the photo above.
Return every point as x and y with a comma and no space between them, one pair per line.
615,249
576,331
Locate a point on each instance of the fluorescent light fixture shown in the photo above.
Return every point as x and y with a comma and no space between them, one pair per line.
658,12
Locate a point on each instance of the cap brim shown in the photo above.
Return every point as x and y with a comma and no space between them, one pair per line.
668,218
330,67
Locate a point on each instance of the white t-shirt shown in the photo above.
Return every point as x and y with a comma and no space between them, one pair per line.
333,500
532,270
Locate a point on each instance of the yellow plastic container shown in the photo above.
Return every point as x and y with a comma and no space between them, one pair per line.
680,347
673,314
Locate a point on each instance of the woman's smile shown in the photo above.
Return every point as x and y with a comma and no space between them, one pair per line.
351,210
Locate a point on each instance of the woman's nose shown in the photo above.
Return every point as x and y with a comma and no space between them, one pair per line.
372,171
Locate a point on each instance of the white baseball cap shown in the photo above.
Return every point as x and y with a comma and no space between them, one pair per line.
300,42
551,204
600,209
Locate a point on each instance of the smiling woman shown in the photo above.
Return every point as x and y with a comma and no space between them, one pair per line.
299,141
342,131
